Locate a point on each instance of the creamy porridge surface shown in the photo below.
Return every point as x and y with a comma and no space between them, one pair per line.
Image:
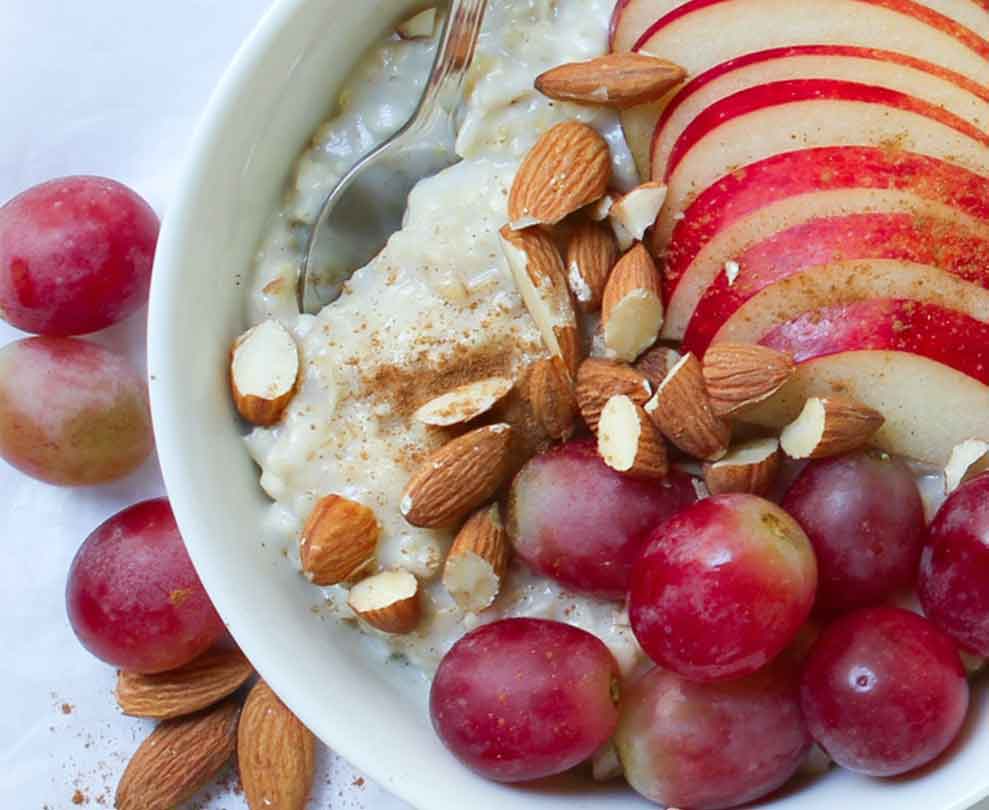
436,308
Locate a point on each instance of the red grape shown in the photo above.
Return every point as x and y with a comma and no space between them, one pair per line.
71,412
574,519
133,597
75,255
865,518
884,691
520,699
722,587
954,572
713,745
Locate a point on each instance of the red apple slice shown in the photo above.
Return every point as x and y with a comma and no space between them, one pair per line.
842,283
894,235
770,119
929,407
743,209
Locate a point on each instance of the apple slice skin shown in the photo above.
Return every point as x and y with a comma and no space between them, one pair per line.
937,242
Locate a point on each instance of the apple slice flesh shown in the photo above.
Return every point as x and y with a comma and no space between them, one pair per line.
929,407
743,209
902,236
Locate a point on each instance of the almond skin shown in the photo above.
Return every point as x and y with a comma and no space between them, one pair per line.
591,253
567,168
632,306
656,363
178,759
339,541
458,478
206,680
739,374
276,754
599,380
618,80
830,426
477,563
552,397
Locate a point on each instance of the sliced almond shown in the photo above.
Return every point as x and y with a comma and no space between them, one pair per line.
599,380
629,442
478,560
339,541
276,753
656,363
465,403
740,374
682,411
419,26
632,215
829,427
264,372
457,478
179,758
206,680
388,601
967,460
599,209
617,80
552,397
567,168
632,307
591,253
752,467
542,282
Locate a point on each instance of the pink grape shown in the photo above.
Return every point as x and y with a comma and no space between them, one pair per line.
75,255
706,746
865,518
884,691
575,520
722,587
954,572
133,598
520,699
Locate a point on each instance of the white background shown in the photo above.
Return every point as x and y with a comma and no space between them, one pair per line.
111,87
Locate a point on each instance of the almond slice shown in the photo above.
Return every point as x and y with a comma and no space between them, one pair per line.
457,478
629,442
617,80
967,460
339,541
465,403
542,282
264,372
599,380
656,363
567,168
552,398
388,601
829,427
752,467
179,758
682,411
740,374
591,253
276,753
199,684
632,307
635,213
419,26
478,560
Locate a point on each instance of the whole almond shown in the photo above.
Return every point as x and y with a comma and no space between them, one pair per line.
199,684
599,380
339,541
552,398
276,754
591,253
567,168
179,758
632,307
458,477
617,80
740,374
478,560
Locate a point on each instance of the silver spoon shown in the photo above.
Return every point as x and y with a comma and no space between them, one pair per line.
367,205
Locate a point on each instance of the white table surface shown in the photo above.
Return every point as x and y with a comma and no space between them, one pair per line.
110,87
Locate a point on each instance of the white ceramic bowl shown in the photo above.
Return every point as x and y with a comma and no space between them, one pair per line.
278,89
